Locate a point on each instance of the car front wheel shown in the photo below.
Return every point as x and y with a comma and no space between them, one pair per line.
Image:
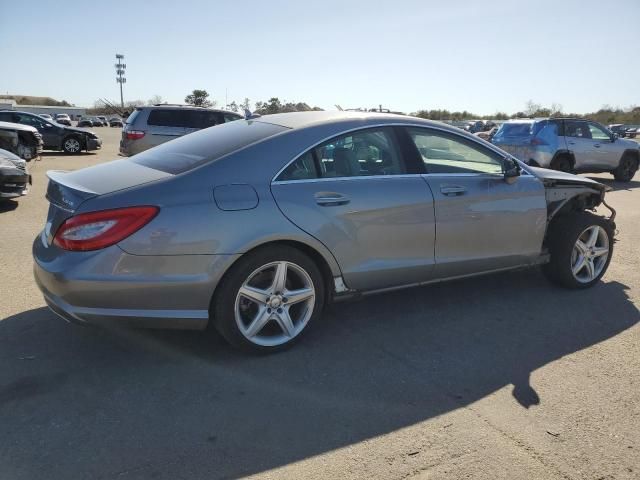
268,299
626,169
580,247
71,145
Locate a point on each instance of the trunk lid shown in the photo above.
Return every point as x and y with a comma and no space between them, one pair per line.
68,190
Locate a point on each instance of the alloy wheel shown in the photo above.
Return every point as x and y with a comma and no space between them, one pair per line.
72,145
275,303
590,254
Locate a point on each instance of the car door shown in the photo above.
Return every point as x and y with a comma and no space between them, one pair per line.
165,124
483,223
607,153
580,143
355,194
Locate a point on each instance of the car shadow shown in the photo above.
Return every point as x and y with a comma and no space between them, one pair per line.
7,205
615,185
139,404
54,153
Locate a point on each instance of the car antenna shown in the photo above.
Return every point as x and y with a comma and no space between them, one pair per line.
248,115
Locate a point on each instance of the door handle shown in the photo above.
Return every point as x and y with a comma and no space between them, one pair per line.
597,145
571,143
327,199
453,190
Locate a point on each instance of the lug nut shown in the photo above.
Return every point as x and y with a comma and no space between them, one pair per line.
268,310
284,299
279,310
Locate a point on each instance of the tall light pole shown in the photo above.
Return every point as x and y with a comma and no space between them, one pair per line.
120,68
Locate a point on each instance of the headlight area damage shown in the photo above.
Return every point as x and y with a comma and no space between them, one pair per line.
569,193
23,140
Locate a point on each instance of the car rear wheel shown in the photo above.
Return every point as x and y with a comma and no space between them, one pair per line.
581,246
268,299
562,164
71,145
626,169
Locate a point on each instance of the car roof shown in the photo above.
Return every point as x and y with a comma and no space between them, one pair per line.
297,120
172,106
18,126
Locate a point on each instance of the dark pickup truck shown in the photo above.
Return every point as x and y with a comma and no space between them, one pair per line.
54,135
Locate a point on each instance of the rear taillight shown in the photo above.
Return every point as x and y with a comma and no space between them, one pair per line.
134,134
537,141
96,230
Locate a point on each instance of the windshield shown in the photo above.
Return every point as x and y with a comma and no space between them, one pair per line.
195,149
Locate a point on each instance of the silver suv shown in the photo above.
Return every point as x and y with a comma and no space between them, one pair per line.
569,145
150,126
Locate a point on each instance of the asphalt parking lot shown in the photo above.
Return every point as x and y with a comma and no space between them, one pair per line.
496,377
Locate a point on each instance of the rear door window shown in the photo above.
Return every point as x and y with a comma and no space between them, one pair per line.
577,129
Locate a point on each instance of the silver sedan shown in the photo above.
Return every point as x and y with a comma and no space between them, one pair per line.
255,225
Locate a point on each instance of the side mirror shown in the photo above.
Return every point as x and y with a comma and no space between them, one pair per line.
613,137
511,171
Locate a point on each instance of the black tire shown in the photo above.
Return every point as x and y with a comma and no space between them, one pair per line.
626,169
562,236
72,145
223,307
562,164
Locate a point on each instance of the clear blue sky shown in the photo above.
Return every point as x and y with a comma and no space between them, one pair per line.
483,56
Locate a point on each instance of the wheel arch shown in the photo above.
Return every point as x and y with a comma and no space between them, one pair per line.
564,153
325,262
635,153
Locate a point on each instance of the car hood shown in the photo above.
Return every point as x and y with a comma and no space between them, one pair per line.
16,160
80,130
628,143
17,126
555,177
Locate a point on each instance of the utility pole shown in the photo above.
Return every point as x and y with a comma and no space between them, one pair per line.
120,68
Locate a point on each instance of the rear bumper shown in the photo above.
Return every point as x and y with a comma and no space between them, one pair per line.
112,287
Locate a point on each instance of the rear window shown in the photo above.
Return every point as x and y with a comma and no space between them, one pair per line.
515,130
132,118
193,150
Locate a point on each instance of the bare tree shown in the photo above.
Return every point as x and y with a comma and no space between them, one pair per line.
155,100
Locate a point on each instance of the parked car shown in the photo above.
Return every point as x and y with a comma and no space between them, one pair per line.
105,122
252,226
46,116
54,135
487,135
85,122
631,131
63,119
14,177
147,127
618,128
569,145
22,140
115,122
97,122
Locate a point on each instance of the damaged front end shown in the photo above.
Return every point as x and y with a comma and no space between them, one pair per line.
22,140
570,193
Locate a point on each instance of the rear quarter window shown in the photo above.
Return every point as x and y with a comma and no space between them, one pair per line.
191,151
